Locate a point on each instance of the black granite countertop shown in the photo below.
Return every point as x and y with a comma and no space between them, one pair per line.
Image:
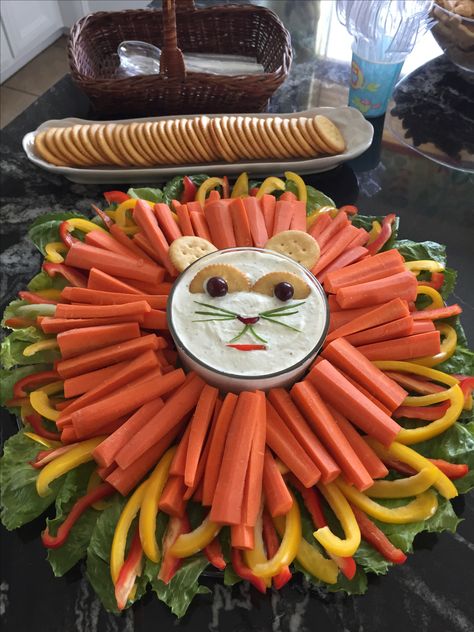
432,592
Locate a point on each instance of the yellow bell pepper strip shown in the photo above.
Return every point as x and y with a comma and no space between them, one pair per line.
311,559
81,453
94,482
414,459
190,543
39,400
427,400
258,554
269,185
410,367
206,186
421,508
374,231
25,410
288,546
42,345
384,234
84,225
54,251
271,543
311,218
436,298
403,487
300,185
121,217
149,506
241,186
119,542
332,543
42,440
448,346
424,264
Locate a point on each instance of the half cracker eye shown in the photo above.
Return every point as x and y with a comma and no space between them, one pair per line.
267,284
235,279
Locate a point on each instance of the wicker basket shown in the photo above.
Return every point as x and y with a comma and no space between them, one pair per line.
232,29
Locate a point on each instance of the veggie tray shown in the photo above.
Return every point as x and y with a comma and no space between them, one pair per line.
153,475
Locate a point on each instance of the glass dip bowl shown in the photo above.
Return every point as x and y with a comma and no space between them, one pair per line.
238,341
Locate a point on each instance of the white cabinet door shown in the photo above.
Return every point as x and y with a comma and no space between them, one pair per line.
6,55
29,22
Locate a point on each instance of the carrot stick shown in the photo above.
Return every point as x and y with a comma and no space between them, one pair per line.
402,285
288,196
101,311
179,459
298,221
365,392
335,247
51,325
242,536
195,207
407,348
285,407
219,220
97,297
110,355
351,255
103,472
190,491
420,326
99,280
140,240
125,240
144,389
227,502
268,203
78,341
387,331
256,222
441,312
172,498
253,480
283,215
386,313
349,401
211,473
105,452
339,317
379,266
278,499
319,225
121,378
200,227
282,442
144,217
166,222
87,381
351,360
240,223
316,412
98,239
176,407
155,319
152,288
333,304
360,238
124,480
199,426
184,220
214,196
415,384
368,458
86,257
332,229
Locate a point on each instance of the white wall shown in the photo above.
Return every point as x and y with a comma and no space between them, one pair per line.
72,10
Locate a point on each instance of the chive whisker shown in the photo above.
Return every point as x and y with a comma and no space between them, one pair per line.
239,335
218,309
281,309
208,320
278,322
255,335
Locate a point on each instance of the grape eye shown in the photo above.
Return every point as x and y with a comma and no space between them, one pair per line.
284,291
217,286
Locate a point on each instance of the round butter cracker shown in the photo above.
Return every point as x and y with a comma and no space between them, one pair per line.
297,245
185,250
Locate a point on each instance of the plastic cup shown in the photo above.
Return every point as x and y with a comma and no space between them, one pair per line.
372,84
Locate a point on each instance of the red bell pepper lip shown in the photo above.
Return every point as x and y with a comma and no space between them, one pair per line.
116,197
248,347
272,544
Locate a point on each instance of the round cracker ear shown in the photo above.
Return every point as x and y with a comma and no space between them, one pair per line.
267,283
236,280
296,244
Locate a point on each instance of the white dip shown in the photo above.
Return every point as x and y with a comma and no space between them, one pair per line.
207,341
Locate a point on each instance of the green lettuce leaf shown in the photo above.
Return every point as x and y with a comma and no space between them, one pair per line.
462,361
19,501
11,310
74,487
365,221
11,349
45,229
146,193
8,378
174,188
43,281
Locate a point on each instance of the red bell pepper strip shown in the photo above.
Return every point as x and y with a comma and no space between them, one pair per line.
73,276
46,456
248,347
451,470
189,191
436,281
19,323
116,197
439,312
65,234
466,382
33,381
17,402
253,191
131,569
384,235
103,216
244,571
35,421
213,552
377,538
272,543
312,503
349,209
424,413
170,564
79,507
31,297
